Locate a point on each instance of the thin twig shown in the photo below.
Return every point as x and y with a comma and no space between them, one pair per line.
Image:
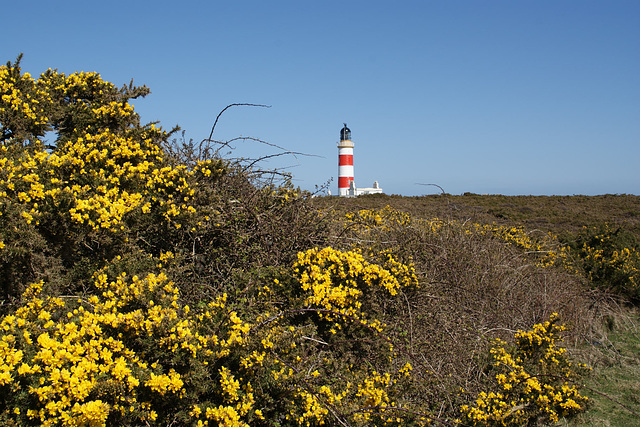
229,106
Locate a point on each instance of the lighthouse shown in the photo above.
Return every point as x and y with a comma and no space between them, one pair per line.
345,163
346,183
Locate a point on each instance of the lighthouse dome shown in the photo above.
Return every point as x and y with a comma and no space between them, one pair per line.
345,133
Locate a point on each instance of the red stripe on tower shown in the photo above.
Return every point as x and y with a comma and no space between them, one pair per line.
345,160
344,182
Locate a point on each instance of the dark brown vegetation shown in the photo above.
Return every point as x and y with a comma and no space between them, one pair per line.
557,214
479,288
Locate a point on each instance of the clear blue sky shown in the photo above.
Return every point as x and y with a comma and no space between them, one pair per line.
509,97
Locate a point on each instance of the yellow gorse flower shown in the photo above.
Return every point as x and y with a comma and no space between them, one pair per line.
73,363
336,280
98,179
524,393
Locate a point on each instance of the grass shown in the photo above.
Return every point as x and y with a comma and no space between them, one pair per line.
614,386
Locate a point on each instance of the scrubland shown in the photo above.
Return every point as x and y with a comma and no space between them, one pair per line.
148,280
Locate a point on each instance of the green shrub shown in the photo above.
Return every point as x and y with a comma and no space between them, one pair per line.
610,258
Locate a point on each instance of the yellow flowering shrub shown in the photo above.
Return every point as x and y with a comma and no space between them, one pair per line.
534,381
609,258
463,297
23,105
129,355
545,248
95,180
70,105
383,219
134,353
104,179
336,280
326,342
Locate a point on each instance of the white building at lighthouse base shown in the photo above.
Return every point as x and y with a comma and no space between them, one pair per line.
354,191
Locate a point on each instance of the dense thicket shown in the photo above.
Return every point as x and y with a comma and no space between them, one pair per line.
150,281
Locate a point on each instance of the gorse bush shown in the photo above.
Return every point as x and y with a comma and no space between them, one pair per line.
134,353
80,200
130,355
113,186
322,332
477,283
153,282
609,258
535,381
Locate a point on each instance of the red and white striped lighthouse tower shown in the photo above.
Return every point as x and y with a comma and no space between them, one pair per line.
345,162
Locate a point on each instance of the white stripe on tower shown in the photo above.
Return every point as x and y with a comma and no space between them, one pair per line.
345,161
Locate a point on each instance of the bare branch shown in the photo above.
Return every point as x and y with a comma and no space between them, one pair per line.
435,185
226,108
